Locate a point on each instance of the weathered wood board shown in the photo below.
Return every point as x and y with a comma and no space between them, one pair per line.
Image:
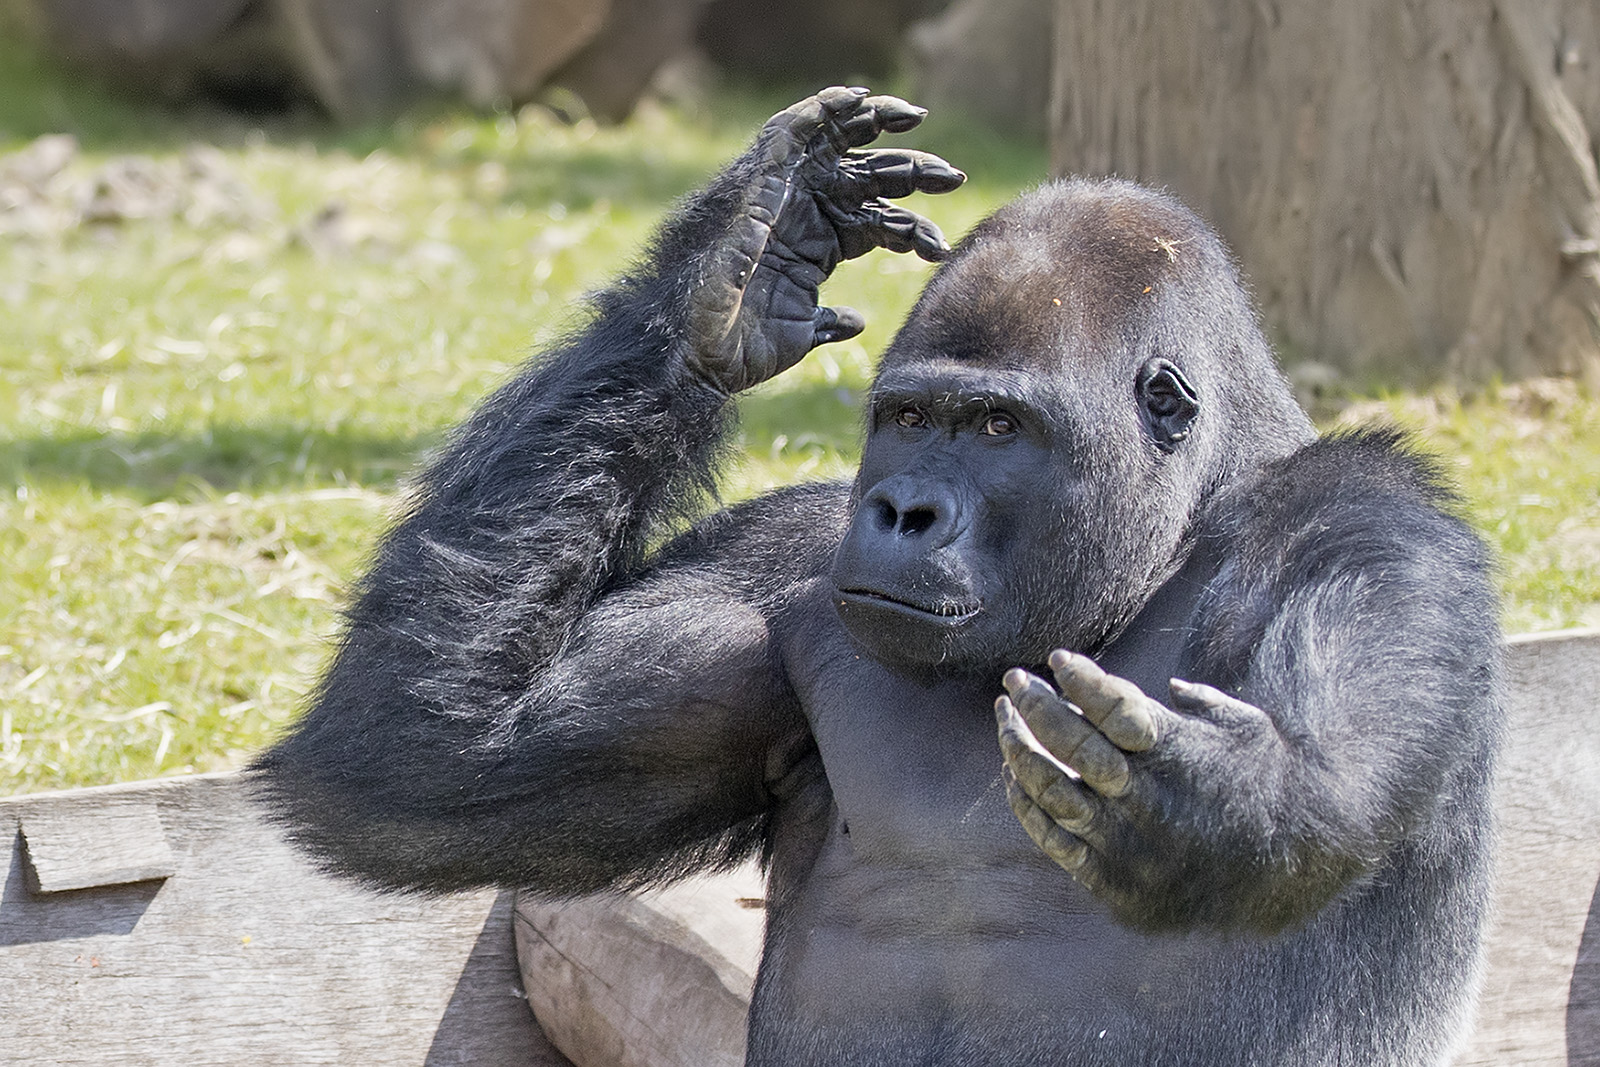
661,979
1541,998
231,950
84,849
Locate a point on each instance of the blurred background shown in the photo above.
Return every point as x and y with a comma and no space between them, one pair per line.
257,256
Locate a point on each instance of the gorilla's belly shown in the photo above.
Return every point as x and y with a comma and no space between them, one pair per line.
980,925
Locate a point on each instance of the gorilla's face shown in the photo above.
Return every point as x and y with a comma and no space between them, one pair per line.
1001,513
1072,385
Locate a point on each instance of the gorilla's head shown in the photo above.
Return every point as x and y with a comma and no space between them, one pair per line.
1071,387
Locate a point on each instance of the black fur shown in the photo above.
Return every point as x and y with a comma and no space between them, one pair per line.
528,694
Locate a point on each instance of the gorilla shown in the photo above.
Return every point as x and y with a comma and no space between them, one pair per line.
1245,680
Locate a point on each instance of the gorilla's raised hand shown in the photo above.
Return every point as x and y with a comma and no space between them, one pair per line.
808,201
1168,814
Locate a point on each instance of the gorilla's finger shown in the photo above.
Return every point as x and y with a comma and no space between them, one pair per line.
895,115
1118,707
1214,706
880,224
831,324
835,102
1068,736
1195,698
876,114
1034,769
802,121
928,241
1045,781
897,172
892,227
1068,850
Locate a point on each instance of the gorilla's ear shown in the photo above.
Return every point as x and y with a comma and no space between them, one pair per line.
1168,402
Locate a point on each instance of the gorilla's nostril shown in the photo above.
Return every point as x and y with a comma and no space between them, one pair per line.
886,515
917,521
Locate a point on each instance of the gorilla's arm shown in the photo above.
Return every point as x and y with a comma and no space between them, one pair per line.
520,696
1351,640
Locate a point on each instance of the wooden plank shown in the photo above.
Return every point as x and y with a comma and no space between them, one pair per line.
660,979
82,845
245,955
1540,1006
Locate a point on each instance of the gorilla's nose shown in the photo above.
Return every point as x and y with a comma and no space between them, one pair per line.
912,509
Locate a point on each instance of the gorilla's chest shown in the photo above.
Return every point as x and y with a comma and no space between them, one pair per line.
913,764
920,835
924,890
915,772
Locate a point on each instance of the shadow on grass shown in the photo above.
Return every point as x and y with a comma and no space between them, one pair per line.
249,459
155,466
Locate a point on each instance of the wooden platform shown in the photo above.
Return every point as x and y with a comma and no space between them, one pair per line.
1541,998
163,924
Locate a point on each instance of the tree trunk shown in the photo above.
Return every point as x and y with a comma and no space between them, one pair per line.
1410,184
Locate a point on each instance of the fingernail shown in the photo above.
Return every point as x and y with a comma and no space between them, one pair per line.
1015,679
860,90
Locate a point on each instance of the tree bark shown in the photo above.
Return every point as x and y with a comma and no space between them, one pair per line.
1411,185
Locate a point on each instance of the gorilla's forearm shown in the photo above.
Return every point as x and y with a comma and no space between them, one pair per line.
1359,617
549,495
433,753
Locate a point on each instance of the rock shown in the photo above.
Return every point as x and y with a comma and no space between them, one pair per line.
175,48
613,70
826,41
41,194
348,54
497,51
137,31
43,158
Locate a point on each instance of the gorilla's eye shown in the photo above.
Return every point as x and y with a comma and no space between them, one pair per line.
999,425
911,418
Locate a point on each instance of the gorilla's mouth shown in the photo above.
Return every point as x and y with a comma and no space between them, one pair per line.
943,612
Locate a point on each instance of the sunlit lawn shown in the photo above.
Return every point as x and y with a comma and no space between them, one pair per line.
208,411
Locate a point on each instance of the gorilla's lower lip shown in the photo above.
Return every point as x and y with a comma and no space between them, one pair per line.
945,614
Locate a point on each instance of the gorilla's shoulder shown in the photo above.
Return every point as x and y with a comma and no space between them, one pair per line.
1361,531
1351,499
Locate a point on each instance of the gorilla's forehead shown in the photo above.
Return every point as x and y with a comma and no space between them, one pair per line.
1013,317
1102,230
1068,277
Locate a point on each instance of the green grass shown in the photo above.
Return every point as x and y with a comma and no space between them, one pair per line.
1527,459
206,415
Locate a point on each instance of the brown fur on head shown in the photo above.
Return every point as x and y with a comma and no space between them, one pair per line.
1073,268
1083,281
